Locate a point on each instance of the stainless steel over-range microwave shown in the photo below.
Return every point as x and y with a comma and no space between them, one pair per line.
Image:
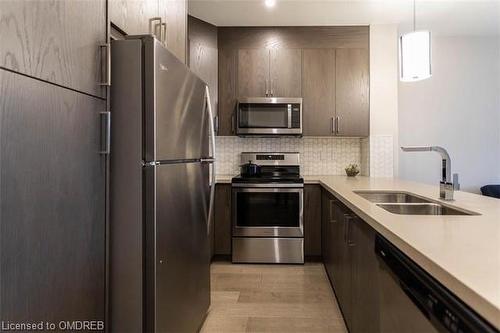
269,116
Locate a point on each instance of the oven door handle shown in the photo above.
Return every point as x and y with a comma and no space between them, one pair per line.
260,187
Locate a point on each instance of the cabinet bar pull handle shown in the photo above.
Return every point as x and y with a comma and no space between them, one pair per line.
337,124
232,124
345,228
333,126
107,81
105,132
216,122
349,219
331,214
271,84
153,26
163,33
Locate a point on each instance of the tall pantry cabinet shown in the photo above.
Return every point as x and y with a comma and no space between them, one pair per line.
53,174
54,103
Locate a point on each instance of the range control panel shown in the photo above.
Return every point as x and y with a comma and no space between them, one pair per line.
270,157
264,158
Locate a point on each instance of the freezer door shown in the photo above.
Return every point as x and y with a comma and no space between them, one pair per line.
176,117
178,278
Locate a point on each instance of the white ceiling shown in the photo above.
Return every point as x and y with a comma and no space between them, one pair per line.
443,17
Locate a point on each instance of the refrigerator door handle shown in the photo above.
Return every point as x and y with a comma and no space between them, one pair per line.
211,118
212,198
212,161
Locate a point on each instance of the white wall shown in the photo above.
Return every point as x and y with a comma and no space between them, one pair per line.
383,100
459,109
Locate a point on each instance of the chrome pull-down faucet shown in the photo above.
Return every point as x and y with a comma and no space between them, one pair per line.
446,186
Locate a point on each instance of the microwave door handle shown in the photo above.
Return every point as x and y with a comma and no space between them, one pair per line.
289,116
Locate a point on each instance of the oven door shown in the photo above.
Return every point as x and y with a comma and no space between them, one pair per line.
269,116
267,212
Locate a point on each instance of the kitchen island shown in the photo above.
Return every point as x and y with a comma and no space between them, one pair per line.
462,252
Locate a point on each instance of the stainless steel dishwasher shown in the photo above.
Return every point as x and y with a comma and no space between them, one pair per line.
411,300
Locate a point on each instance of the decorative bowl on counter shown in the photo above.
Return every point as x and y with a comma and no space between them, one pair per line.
352,170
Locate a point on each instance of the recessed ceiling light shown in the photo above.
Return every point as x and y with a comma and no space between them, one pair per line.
270,3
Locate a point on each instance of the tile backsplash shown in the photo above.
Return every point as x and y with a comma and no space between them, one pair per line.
365,156
381,158
318,156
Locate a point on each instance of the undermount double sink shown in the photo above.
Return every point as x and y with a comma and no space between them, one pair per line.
405,203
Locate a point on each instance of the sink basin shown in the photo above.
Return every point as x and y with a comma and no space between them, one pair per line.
422,209
405,203
391,197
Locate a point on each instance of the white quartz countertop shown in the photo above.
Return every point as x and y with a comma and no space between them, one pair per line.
462,252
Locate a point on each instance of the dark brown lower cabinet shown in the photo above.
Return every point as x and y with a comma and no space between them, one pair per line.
52,229
351,264
365,284
325,220
222,220
330,231
341,257
312,220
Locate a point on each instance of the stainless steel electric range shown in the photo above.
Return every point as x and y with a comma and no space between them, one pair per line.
267,210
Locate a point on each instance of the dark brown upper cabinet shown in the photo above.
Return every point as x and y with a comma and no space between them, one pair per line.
227,91
174,13
133,17
285,74
318,92
352,92
203,57
335,89
327,66
56,41
269,72
253,72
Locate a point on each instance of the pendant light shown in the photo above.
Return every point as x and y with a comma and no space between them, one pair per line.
415,54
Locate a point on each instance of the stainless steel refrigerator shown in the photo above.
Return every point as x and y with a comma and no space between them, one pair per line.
161,191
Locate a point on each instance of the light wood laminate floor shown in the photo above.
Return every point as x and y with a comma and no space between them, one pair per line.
272,298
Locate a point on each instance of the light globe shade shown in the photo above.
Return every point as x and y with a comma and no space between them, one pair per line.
270,3
415,56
